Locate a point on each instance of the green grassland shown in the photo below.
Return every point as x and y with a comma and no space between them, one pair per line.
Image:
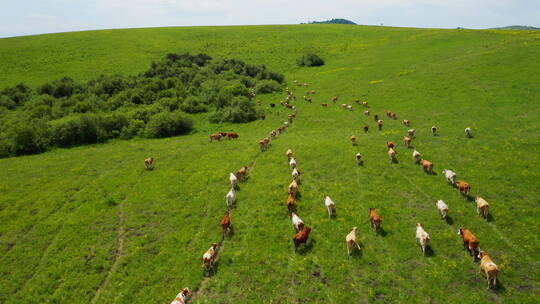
89,225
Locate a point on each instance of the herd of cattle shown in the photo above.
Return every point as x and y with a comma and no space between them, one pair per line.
470,241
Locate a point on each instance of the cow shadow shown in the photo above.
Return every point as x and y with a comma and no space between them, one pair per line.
449,220
395,161
360,163
470,198
308,246
490,218
430,252
357,253
381,232
499,288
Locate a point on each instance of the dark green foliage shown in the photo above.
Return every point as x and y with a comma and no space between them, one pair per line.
333,21
65,113
309,60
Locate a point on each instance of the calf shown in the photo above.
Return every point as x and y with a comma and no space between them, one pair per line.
422,237
292,163
443,209
379,124
482,207
392,155
468,132
470,242
411,133
353,140
297,222
350,239
489,268
232,135
149,163
433,130
293,188
289,154
181,297
375,219
233,179
416,157
230,198
330,205
209,258
301,237
407,141
389,145
450,176
366,128
358,158
290,203
463,187
296,175
427,166
241,174
406,122
226,223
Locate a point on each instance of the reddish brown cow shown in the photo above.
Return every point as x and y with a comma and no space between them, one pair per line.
463,187
216,136
324,104
226,223
301,237
290,203
470,242
407,141
366,128
334,99
427,165
241,174
149,163
389,144
232,135
375,219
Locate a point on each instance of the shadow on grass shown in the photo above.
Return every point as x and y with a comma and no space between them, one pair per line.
490,218
382,232
499,288
449,220
394,161
303,249
430,252
357,253
470,198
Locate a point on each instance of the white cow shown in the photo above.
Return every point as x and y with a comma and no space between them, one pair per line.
366,113
181,297
468,132
297,222
292,163
296,175
411,132
482,207
351,240
230,198
450,176
422,237
443,208
416,156
358,158
233,180
330,206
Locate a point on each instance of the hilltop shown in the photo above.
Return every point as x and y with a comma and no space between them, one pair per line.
333,21
516,27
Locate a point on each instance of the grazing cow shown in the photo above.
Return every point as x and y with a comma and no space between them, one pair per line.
350,239
422,237
427,166
489,268
290,202
216,136
230,198
366,113
181,297
233,179
232,135
241,174
416,156
293,188
374,219
272,105
301,237
334,99
358,158
433,130
209,258
450,176
324,104
407,141
393,116
411,133
292,163
296,175
280,129
226,223
392,155
389,145
223,134
406,122
330,205
468,132
349,107
470,242
379,124
365,104
443,209
297,222
263,144
366,128
149,163
463,187
273,134
482,207
343,105
289,154
376,117
353,140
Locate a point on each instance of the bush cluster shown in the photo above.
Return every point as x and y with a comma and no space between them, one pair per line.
309,60
155,103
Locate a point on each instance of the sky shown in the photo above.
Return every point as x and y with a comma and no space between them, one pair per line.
28,17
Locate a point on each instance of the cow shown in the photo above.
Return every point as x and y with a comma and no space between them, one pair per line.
349,107
407,141
181,297
427,166
411,133
233,179
375,117
358,159
149,163
366,113
443,209
296,175
289,154
389,145
416,157
433,130
209,258
450,176
375,219
290,203
297,222
232,135
292,163
489,268
230,198
393,116
343,105
330,205
482,207
468,132
324,104
422,237
272,105
379,124
334,99
366,128
223,134
392,155
406,122
470,242
357,101
463,187
353,140
216,136
241,174
273,134
293,189
226,223
350,239
262,145
365,104
301,237
312,92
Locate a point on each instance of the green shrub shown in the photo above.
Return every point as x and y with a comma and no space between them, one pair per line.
28,138
167,124
267,86
309,60
193,104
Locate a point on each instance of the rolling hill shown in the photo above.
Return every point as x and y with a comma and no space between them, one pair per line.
90,225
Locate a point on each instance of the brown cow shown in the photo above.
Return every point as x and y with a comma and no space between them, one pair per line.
470,242
324,104
407,141
374,219
334,99
489,268
366,128
241,174
291,203
389,145
149,163
216,136
209,258
301,237
379,124
463,187
406,122
293,188
353,140
427,165
232,135
182,296
226,223
223,134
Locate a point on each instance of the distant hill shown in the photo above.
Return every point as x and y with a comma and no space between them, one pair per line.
332,21
516,27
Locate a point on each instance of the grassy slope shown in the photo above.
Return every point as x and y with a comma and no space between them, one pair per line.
70,216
